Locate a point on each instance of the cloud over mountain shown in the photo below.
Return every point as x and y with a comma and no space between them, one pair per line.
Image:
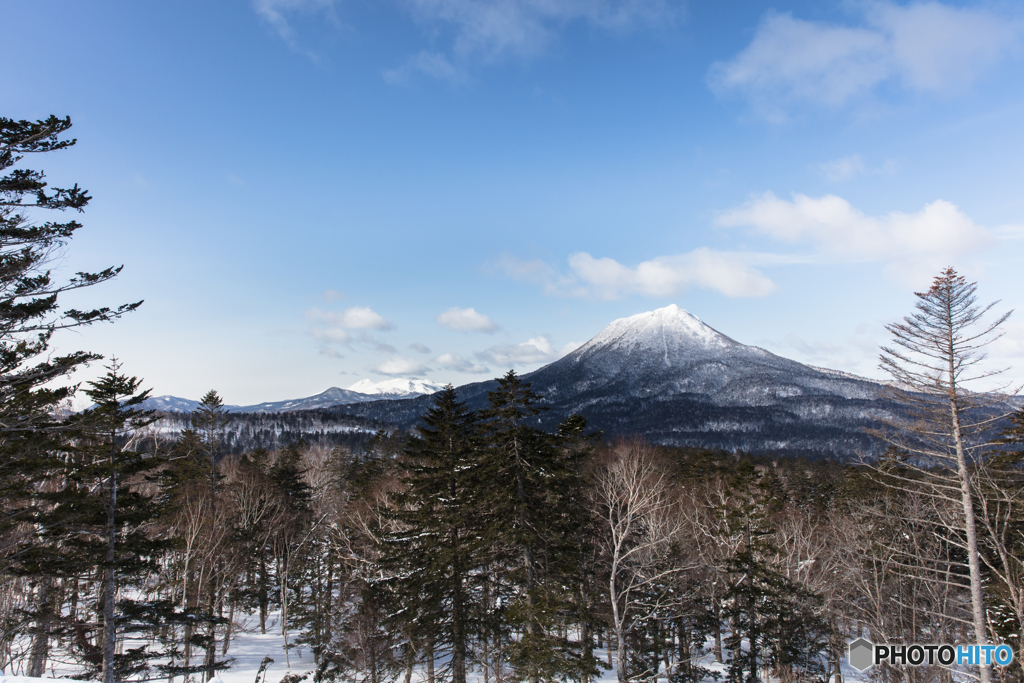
920,47
466,320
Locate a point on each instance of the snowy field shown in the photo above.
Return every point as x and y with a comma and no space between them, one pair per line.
249,648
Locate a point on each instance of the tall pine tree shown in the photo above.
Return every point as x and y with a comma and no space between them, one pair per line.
433,556
532,534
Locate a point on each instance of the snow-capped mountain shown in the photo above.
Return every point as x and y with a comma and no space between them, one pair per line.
367,391
667,375
404,388
671,352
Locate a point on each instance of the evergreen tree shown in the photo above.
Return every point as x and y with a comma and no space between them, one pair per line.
774,616
531,533
95,520
29,309
294,496
30,421
434,553
192,487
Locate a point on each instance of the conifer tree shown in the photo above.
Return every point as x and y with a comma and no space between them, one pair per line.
434,555
531,483
772,614
96,518
294,495
29,308
30,312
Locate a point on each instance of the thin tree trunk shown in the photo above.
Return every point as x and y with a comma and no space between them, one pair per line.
109,588
227,628
264,598
410,659
974,564
430,663
41,638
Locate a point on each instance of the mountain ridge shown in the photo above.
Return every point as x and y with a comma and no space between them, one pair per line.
670,377
388,391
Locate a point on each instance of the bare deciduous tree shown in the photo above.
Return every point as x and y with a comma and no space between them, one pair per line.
935,360
639,523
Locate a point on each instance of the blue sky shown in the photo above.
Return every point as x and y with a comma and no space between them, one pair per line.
312,192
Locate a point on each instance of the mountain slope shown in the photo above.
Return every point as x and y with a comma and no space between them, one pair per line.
388,390
670,377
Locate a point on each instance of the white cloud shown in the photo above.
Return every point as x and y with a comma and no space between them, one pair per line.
420,348
332,327
364,317
453,361
400,366
729,273
723,272
524,27
536,350
928,239
925,47
356,317
466,320
490,30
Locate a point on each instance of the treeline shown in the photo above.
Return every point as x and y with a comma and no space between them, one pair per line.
246,432
482,545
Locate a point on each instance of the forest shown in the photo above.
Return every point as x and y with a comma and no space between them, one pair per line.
482,544
479,544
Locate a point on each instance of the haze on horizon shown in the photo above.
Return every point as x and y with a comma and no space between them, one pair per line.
312,193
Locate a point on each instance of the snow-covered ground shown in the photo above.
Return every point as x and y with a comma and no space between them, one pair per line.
249,648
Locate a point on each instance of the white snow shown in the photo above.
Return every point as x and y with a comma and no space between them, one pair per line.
398,386
660,331
249,648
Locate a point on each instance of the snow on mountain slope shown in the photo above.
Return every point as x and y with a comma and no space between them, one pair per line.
396,387
670,351
368,391
670,377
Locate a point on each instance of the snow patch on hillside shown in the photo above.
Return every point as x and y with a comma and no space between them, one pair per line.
396,387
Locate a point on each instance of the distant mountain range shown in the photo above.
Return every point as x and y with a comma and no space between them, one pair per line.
664,375
362,391
668,376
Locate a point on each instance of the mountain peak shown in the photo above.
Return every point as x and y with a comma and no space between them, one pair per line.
666,330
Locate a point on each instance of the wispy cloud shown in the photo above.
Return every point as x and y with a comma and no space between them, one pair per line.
848,167
922,47
332,295
279,15
909,243
536,350
419,348
432,64
730,273
453,361
466,320
401,366
493,28
334,327
355,317
484,31
479,31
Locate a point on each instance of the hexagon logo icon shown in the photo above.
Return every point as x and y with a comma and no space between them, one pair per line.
861,652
